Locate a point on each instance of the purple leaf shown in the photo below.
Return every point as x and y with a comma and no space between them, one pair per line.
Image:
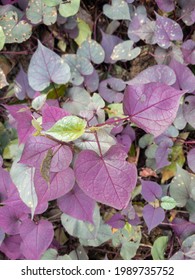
23,118
35,151
116,221
166,5
108,43
110,90
188,50
52,114
125,141
187,12
21,86
60,184
151,190
91,81
47,67
153,106
11,247
162,153
185,77
183,228
153,216
167,30
191,159
10,219
36,238
157,73
108,179
77,205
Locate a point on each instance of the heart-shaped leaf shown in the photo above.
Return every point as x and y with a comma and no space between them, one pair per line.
125,51
67,129
168,203
77,205
79,67
119,10
151,190
15,32
37,12
167,30
166,5
111,90
108,179
153,216
21,86
36,238
70,8
153,106
92,51
47,67
157,73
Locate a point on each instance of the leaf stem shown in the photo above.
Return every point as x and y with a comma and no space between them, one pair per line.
112,121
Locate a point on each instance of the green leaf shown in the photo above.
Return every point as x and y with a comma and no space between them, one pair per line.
92,51
67,129
118,10
70,8
23,177
168,202
82,229
15,31
2,38
159,248
125,51
84,32
38,12
52,3
182,187
39,101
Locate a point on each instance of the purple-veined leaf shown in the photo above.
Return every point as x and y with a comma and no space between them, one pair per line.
52,114
11,247
166,5
188,50
108,43
153,106
153,216
191,159
23,118
185,77
59,184
36,238
167,30
88,141
35,150
22,88
151,190
118,10
111,90
157,73
11,219
108,179
47,67
77,204
124,141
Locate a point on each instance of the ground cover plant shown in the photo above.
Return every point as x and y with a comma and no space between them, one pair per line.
97,129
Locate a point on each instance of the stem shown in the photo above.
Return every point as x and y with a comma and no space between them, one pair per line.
11,52
112,121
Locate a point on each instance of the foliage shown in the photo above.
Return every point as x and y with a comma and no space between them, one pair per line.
97,129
